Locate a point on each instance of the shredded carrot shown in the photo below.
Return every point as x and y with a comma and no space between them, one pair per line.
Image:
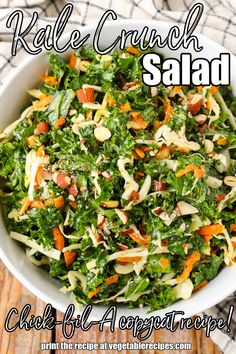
209,102
164,262
137,122
73,60
139,152
198,171
49,201
189,168
133,51
135,155
147,239
128,259
41,175
176,89
125,107
113,279
232,227
222,141
70,257
209,230
200,286
49,80
38,204
207,238
135,114
146,148
199,88
59,240
135,237
73,205
59,202
41,151
60,122
43,102
214,89
193,258
25,205
38,177
110,101
168,109
94,292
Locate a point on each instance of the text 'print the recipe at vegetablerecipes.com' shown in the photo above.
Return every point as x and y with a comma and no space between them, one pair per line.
89,346
170,71
140,328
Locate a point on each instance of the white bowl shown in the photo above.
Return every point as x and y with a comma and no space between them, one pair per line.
13,96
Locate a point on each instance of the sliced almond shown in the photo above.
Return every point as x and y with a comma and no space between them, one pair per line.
134,196
110,204
184,208
71,197
122,215
195,104
80,118
154,91
83,65
62,180
209,146
35,93
54,177
184,290
121,246
157,211
163,153
230,181
216,137
213,182
167,219
72,112
83,189
105,228
200,118
33,141
100,220
91,105
107,175
96,88
102,133
222,161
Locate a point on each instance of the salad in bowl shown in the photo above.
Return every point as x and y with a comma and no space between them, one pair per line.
124,193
